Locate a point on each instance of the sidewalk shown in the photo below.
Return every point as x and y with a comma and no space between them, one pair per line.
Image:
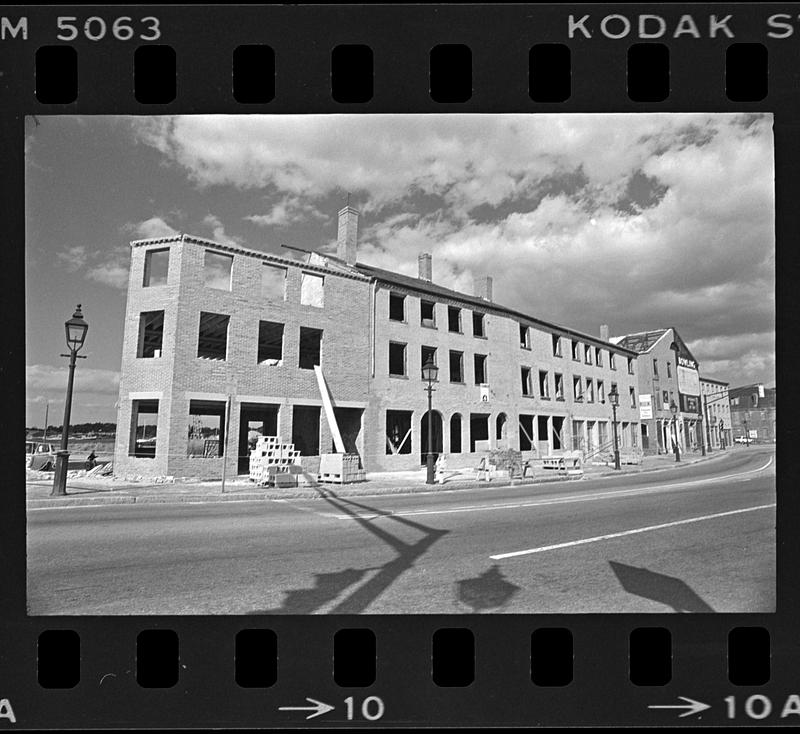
84,491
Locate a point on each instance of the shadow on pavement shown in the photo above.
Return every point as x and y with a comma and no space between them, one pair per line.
658,587
488,591
328,586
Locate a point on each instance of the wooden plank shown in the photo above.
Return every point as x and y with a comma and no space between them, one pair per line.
329,414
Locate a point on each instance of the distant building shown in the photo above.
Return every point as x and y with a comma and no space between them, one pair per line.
668,375
223,343
753,412
717,413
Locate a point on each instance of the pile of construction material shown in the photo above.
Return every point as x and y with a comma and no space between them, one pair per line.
273,462
341,468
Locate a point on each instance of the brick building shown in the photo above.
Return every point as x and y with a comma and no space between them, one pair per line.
753,409
717,413
221,343
667,375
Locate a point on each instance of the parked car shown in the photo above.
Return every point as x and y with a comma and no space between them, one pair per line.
40,456
744,439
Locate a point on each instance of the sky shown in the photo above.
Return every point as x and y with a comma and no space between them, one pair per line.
638,221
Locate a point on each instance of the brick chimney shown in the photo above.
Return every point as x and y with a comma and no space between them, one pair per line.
482,287
425,266
347,241
604,332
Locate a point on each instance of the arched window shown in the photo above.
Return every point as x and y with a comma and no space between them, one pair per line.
455,434
500,434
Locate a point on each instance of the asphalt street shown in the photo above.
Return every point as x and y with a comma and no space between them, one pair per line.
698,538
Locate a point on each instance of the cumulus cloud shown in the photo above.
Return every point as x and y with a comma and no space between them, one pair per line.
289,210
43,377
151,228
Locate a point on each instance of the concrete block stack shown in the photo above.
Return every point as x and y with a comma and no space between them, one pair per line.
272,457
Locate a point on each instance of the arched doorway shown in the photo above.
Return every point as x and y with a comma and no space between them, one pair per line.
501,429
436,435
455,433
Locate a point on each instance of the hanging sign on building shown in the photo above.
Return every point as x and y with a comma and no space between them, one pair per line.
688,377
484,393
645,407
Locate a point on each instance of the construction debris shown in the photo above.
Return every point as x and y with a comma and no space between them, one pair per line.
273,462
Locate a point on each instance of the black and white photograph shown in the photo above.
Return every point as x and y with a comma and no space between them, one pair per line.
400,364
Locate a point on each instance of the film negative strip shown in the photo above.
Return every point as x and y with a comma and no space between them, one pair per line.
424,372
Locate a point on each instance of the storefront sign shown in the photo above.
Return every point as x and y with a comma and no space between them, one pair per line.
688,380
645,407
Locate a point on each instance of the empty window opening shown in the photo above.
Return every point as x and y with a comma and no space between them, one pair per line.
601,391
144,429
478,430
398,432
544,384
558,435
454,319
206,429
255,420
273,283
577,388
436,436
310,347
598,356
612,362
397,307
526,381
524,336
270,343
480,369
397,359
478,325
156,267
632,392
587,354
312,290
655,368
501,428
455,434
218,268
589,390
212,341
151,334
305,429
669,370
630,365
543,434
526,439
427,313
349,421
427,354
559,379
456,366
556,345
576,351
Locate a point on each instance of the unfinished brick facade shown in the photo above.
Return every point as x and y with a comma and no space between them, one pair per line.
256,320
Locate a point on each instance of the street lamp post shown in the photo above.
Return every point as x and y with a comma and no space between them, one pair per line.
613,398
674,410
746,434
76,329
707,433
429,373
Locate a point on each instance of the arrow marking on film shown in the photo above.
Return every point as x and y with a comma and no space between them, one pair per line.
694,707
318,708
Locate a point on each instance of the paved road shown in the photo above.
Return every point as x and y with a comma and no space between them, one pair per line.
695,539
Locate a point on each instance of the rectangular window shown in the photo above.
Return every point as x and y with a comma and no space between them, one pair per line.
589,390
665,398
632,392
144,429
526,437
478,325
151,334
576,351
456,366
655,368
305,429
312,290
524,337
398,431
577,388
427,314
217,268
156,268
611,362
559,386
427,353
397,359
310,348
206,429
273,283
601,391
544,385
630,365
212,340
270,343
598,356
669,370
527,388
556,345
454,319
480,369
397,307
587,354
